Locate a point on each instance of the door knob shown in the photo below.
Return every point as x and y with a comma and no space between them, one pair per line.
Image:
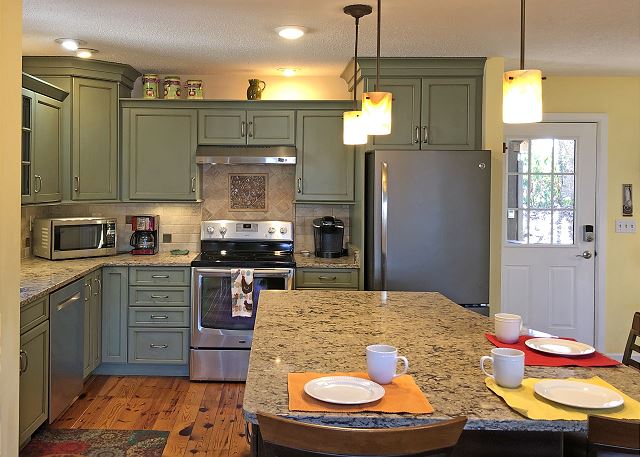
585,255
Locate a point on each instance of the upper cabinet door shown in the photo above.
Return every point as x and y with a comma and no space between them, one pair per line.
324,169
26,170
405,114
160,149
222,127
94,151
449,114
47,149
271,128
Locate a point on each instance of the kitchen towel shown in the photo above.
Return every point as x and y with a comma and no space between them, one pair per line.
525,401
535,358
242,292
401,396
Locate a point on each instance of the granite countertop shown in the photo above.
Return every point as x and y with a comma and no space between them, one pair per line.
39,277
327,331
352,260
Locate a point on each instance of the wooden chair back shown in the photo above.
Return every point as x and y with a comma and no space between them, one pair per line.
286,438
621,435
632,346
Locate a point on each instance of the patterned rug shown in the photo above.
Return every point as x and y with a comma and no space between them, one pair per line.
96,443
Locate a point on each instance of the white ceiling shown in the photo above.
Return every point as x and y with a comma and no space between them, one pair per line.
590,37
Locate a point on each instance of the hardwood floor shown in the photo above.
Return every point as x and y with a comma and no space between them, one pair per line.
204,419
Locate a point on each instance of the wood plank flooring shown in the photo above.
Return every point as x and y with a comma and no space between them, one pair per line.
204,419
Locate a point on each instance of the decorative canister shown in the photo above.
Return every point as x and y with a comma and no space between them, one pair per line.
194,89
171,87
150,86
254,91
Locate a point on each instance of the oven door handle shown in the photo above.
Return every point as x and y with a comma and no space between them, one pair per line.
262,272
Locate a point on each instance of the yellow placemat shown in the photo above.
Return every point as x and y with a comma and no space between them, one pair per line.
525,401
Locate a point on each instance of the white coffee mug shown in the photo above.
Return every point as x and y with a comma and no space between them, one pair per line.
381,363
508,366
507,327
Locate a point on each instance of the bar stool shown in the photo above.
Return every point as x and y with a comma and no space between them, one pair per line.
606,438
288,438
631,346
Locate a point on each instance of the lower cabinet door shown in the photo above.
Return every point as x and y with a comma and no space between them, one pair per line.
167,346
115,297
34,379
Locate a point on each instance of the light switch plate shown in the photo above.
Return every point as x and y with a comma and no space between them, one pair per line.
626,226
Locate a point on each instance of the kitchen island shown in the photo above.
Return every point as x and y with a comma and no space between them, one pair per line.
327,331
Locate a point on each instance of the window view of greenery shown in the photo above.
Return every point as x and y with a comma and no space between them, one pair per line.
541,191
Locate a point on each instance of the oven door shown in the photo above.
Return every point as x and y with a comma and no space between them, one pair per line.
212,325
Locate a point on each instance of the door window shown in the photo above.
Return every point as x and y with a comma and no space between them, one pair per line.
541,191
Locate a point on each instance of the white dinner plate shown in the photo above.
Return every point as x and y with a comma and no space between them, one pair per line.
558,346
344,390
578,394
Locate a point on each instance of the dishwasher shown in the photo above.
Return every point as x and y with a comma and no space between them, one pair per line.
66,330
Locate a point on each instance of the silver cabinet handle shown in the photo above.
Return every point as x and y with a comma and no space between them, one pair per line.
37,184
158,346
425,134
88,297
243,129
384,183
327,278
417,138
299,185
250,129
99,289
160,276
193,184
24,361
160,317
159,296
76,186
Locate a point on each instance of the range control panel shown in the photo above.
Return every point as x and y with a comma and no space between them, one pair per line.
246,230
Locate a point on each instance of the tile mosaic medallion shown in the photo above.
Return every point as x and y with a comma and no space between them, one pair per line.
248,191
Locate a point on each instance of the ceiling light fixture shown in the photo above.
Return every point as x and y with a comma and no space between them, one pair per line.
522,89
354,130
291,32
376,105
70,44
85,53
288,71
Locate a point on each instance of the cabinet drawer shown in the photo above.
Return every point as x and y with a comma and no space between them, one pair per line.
34,313
326,279
161,276
168,346
168,316
163,296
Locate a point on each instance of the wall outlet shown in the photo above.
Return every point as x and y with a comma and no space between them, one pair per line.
626,226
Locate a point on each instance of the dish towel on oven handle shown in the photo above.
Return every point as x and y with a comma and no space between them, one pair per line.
242,292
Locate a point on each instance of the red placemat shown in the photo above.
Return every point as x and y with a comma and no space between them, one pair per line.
535,358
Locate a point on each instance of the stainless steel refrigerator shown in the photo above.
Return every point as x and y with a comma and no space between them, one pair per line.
427,222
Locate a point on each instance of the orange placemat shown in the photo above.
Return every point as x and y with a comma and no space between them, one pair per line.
401,396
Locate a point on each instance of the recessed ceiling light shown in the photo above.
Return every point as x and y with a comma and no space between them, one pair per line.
70,44
85,53
288,71
291,32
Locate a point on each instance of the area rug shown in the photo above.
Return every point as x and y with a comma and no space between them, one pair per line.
96,443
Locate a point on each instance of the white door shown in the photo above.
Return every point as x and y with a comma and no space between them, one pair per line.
548,265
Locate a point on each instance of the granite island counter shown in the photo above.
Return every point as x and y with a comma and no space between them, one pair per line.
327,331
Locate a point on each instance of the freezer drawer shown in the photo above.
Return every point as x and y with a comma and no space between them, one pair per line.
219,364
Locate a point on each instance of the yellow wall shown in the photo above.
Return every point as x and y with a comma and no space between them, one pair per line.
10,56
619,98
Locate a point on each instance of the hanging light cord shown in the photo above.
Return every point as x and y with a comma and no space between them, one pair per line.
378,50
355,68
522,10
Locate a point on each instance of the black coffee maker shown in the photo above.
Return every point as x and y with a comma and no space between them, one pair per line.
328,235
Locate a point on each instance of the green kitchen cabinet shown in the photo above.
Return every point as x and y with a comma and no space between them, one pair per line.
34,380
246,127
159,154
92,322
115,297
324,169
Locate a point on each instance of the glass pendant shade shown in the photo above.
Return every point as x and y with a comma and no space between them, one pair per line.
376,111
354,131
522,97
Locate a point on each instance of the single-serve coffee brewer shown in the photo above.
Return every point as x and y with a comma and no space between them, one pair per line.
328,235
144,239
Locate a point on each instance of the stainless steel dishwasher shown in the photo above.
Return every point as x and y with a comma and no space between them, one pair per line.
66,345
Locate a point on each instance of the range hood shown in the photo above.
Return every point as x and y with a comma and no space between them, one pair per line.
281,155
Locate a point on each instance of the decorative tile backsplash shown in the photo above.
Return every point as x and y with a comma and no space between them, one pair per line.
248,192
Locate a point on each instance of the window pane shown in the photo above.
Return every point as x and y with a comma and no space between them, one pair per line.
564,156
541,155
563,227
518,158
563,191
540,191
540,227
517,226
518,191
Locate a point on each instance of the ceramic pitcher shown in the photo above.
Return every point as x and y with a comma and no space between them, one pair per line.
254,91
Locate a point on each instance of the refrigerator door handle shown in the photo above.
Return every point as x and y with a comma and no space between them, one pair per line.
383,226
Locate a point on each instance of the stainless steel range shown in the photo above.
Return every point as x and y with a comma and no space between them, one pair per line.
220,338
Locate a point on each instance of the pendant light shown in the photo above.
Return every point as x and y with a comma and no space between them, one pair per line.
376,106
522,89
354,128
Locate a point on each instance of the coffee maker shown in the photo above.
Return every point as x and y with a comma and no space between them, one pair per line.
144,239
328,234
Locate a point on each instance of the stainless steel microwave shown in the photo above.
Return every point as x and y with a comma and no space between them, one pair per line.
74,237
